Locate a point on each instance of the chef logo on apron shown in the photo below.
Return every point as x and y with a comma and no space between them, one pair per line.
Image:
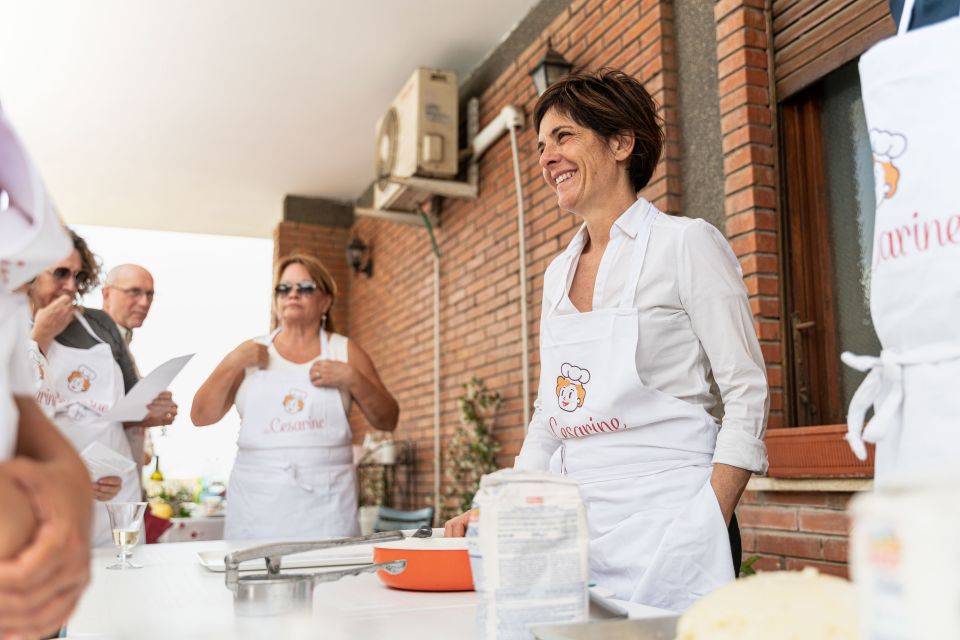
886,147
293,401
80,378
570,391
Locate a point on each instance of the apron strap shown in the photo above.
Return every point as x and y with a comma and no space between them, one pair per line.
324,343
905,17
86,325
883,390
568,255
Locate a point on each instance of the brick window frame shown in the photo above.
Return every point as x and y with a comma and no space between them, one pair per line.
752,207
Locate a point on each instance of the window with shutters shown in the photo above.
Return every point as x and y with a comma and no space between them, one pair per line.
828,211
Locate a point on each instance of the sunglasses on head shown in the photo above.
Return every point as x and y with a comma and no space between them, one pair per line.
62,273
305,288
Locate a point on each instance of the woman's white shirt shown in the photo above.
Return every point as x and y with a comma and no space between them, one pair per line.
276,362
696,328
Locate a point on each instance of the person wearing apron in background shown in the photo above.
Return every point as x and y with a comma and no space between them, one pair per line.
911,97
294,476
44,490
83,383
641,315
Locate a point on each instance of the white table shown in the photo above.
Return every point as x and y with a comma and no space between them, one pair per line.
175,598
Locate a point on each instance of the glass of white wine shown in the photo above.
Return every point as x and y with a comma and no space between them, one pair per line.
126,521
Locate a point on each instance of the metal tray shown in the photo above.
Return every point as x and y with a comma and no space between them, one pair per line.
664,628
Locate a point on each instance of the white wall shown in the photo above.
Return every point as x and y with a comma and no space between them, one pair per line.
213,292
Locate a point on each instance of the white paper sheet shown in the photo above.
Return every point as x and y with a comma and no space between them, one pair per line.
133,406
103,461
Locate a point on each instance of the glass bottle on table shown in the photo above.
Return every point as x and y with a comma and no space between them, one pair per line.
157,475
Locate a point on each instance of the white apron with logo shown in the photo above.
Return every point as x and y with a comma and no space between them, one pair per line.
643,458
294,476
87,383
31,239
911,96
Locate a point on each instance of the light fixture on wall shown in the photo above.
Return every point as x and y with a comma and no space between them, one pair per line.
552,67
357,250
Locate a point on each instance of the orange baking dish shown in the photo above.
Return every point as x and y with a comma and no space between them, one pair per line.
433,564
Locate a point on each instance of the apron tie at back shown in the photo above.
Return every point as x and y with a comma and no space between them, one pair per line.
882,389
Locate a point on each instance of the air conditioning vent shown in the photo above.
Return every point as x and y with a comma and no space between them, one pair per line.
417,136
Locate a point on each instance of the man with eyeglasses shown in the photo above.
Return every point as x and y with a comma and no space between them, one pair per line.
127,297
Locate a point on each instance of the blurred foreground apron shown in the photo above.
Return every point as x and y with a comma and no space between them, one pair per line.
911,96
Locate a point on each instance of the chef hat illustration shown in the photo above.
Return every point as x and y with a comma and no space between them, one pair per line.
296,394
87,372
574,373
886,145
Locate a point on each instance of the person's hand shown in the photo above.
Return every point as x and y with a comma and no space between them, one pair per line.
162,411
41,585
52,319
456,527
331,373
106,487
249,355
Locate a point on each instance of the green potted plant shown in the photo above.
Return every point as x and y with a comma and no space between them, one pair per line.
472,452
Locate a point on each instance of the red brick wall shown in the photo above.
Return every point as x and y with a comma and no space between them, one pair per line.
792,530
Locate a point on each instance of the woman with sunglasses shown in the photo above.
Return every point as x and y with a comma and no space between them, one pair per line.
294,476
79,379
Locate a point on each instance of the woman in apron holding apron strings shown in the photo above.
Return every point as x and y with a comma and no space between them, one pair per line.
643,315
76,386
294,477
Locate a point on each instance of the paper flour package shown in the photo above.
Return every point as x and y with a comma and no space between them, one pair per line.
528,551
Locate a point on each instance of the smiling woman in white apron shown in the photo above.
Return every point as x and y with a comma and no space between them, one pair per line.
643,315
294,475
76,387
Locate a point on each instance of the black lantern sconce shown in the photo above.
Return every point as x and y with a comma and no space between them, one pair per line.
357,251
552,67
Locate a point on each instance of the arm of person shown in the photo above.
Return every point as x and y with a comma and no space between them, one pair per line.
19,522
41,585
161,411
50,321
218,392
715,298
377,404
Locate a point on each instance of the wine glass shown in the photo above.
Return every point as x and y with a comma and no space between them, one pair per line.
126,521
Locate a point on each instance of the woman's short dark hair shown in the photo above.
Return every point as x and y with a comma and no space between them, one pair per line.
90,265
609,102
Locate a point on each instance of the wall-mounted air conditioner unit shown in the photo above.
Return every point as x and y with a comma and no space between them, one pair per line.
417,137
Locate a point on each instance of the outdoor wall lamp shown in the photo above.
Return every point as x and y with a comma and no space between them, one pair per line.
357,250
552,67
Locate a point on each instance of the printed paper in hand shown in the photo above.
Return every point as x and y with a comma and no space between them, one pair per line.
133,406
103,461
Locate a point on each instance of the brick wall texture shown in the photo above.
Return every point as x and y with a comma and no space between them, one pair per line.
391,313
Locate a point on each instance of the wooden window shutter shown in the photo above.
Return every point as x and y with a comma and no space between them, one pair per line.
811,38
